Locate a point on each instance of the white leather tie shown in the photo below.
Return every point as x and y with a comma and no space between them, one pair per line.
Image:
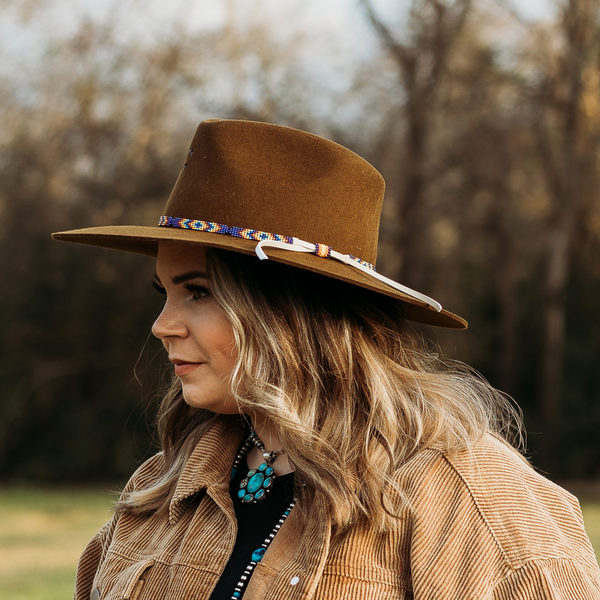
302,246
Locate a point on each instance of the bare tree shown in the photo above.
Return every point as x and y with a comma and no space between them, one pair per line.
421,61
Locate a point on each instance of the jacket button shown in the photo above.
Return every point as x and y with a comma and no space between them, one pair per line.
294,580
95,595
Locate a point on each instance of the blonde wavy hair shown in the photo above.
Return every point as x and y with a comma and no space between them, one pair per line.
352,390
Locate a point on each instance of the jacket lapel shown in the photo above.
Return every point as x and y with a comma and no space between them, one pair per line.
209,466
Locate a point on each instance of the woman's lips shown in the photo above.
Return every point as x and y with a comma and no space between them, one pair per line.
181,368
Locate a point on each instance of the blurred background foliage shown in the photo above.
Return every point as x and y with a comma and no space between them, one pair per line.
484,121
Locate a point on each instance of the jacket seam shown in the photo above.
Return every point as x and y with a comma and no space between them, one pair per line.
488,526
368,579
536,562
158,560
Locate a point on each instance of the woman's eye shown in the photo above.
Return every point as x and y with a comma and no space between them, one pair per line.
198,291
159,288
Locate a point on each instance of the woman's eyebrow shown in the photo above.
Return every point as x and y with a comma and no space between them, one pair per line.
187,276
183,277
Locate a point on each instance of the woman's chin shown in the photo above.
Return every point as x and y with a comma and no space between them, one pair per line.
220,406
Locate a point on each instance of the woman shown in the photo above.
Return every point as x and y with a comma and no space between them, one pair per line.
312,446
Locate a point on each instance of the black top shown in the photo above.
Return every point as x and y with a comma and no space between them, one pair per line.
255,523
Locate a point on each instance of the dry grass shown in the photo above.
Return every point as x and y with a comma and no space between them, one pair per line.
42,534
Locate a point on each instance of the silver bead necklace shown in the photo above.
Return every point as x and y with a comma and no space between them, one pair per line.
259,553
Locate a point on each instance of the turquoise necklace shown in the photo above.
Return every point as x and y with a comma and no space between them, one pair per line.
258,482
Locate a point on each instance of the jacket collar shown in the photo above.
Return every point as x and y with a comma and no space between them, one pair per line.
209,465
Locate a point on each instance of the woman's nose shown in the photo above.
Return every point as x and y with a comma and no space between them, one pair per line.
169,324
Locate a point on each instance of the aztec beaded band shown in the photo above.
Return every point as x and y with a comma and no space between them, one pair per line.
321,250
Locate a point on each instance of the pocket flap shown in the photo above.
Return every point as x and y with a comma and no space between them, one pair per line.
119,584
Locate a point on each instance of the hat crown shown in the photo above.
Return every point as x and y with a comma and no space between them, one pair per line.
282,181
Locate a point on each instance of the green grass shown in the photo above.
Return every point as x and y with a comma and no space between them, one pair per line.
591,518
42,534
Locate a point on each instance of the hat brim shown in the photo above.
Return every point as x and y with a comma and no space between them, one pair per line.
144,240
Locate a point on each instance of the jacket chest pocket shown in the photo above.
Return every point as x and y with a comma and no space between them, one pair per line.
342,581
120,579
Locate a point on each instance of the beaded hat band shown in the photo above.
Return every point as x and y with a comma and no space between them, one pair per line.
284,242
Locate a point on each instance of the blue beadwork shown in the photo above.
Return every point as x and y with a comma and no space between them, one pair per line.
211,227
269,471
248,498
241,493
260,494
262,467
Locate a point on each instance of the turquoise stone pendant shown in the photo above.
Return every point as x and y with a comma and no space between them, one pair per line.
258,482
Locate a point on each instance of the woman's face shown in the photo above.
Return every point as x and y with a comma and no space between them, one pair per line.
193,328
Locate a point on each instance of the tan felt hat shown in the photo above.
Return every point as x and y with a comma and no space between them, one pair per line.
279,193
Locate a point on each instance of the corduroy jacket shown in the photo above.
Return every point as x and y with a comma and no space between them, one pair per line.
482,525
